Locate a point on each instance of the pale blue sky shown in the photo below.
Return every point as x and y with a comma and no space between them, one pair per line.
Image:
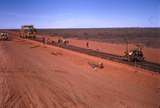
80,13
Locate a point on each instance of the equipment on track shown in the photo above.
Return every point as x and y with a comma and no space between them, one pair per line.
135,55
120,59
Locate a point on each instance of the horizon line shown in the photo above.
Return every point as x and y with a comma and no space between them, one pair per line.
84,28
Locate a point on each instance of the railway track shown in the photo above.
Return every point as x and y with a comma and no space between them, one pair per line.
120,59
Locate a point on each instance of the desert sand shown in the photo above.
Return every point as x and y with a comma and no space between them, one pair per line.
33,75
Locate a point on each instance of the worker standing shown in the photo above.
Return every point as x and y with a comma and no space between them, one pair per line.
44,40
87,44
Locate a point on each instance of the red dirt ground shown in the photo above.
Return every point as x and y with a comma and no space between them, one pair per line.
36,76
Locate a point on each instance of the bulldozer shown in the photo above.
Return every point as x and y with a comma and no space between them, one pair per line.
28,31
4,36
134,55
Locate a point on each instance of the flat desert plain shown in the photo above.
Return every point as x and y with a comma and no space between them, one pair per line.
33,75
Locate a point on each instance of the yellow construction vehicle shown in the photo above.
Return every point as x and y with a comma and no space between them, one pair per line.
28,31
134,55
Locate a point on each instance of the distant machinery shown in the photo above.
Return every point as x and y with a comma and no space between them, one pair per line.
4,36
61,42
134,54
28,31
